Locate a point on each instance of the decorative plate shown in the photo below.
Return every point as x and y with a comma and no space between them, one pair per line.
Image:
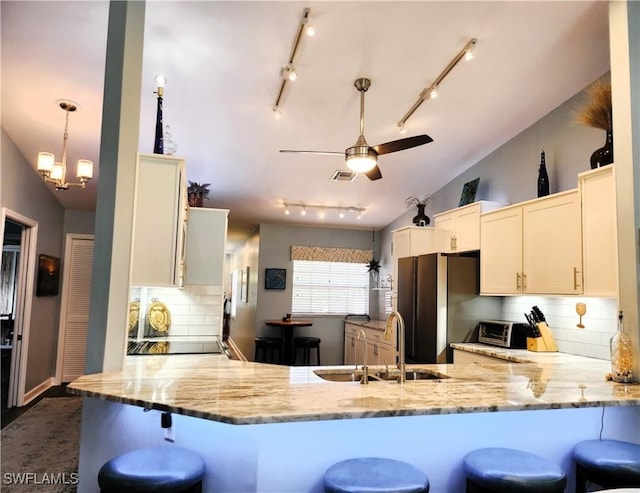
158,316
134,315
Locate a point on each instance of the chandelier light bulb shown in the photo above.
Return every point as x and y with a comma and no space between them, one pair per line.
46,161
57,172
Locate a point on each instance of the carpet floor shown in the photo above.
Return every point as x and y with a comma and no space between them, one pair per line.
40,449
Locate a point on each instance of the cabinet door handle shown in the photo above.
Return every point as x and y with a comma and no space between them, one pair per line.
518,281
524,281
575,278
353,342
375,349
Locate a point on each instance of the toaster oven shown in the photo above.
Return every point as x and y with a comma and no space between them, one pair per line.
504,333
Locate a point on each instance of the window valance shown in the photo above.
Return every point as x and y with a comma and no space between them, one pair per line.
328,254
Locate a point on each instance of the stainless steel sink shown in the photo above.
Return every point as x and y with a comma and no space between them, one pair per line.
411,375
342,376
380,376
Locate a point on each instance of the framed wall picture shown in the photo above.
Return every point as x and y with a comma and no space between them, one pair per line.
469,192
48,276
275,278
244,285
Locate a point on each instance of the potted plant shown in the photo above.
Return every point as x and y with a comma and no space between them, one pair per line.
197,193
420,219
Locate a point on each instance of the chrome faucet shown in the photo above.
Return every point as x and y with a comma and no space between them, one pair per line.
401,350
365,368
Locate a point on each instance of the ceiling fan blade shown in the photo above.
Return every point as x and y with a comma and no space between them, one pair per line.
328,153
402,144
374,173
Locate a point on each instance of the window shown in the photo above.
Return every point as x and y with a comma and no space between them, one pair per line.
329,288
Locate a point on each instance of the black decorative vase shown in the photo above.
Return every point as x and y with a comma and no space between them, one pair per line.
543,178
421,219
603,155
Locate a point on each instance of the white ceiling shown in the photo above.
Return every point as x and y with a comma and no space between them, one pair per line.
222,61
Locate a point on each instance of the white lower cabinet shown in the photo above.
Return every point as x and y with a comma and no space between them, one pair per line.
466,357
533,248
379,350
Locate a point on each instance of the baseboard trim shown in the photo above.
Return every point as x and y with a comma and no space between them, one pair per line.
235,351
37,390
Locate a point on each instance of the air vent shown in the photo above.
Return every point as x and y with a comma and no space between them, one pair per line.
341,175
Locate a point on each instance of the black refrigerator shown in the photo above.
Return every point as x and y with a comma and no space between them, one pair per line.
438,298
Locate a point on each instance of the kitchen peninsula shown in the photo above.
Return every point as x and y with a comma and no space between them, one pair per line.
296,424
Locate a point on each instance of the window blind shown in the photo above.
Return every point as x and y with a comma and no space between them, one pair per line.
329,288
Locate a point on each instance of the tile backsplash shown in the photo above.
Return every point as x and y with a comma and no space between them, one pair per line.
600,321
195,310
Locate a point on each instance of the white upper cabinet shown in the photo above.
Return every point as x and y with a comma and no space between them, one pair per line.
533,248
599,231
412,241
159,221
458,230
206,243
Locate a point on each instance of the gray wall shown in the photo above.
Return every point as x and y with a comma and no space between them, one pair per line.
24,192
81,222
509,174
275,251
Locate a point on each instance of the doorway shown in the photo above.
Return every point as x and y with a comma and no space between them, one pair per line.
19,235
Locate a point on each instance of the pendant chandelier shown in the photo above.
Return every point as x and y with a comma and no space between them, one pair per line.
55,172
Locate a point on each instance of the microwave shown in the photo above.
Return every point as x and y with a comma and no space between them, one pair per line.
503,333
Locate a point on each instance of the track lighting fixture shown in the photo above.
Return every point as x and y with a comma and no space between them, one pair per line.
288,72
431,92
322,209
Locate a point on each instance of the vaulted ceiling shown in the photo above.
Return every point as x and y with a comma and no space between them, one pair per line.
222,61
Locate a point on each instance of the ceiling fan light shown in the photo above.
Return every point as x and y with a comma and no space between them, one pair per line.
361,158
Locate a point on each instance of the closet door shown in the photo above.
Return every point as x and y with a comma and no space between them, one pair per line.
74,306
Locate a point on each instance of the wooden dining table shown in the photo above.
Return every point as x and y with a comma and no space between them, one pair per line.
287,326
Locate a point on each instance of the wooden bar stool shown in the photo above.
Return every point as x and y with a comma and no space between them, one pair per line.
268,350
153,470
306,344
504,470
374,475
608,463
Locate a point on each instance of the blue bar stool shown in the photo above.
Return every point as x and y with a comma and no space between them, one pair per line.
608,463
504,470
374,475
157,470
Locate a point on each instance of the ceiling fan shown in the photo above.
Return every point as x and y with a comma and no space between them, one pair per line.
363,158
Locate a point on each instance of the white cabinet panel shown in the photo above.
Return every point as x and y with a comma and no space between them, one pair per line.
206,243
533,248
158,221
459,229
599,231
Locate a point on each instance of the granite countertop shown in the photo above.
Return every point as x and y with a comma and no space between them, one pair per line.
213,387
371,324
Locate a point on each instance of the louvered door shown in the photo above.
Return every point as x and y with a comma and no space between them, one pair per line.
76,298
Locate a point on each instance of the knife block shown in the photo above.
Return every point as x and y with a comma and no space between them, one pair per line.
544,343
